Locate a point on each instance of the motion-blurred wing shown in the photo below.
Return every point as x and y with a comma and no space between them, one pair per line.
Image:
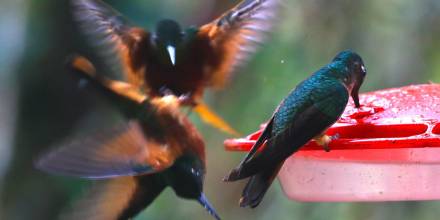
85,69
120,198
236,34
123,151
121,45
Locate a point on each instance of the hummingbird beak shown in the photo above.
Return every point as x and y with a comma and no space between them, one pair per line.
359,79
205,203
355,96
355,92
172,53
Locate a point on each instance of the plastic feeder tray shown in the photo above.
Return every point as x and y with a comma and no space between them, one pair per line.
388,150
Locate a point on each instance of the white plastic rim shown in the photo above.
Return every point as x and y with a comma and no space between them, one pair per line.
305,178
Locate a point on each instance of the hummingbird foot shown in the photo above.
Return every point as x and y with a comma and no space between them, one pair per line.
335,137
324,140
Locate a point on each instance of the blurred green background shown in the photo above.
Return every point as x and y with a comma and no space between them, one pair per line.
40,105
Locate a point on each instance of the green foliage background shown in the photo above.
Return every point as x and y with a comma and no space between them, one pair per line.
40,105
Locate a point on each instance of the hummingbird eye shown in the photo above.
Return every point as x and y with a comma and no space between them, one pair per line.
154,39
363,70
359,67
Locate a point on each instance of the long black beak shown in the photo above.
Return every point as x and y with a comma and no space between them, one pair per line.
205,203
355,92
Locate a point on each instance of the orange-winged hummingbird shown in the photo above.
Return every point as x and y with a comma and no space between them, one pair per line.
136,161
305,114
172,59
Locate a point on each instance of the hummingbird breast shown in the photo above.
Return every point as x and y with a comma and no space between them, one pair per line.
189,75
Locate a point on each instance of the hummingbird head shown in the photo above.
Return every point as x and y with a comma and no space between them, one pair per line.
168,36
351,71
186,177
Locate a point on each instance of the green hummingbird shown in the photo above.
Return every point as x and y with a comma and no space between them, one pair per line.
157,147
183,61
305,114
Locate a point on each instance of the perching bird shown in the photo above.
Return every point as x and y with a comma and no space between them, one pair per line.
156,148
305,114
172,59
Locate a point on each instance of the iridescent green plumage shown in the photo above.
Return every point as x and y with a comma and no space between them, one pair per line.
307,112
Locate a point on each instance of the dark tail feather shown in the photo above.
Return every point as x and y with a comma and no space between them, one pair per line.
257,187
205,203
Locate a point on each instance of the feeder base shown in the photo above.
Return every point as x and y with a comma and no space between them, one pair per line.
312,180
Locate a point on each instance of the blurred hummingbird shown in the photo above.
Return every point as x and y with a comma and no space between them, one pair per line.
156,148
183,61
305,114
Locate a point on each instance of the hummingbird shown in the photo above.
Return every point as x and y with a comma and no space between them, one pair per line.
305,114
156,147
183,61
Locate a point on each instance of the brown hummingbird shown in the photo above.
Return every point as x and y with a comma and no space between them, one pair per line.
174,60
157,147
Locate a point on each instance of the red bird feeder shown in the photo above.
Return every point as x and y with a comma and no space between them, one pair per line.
388,150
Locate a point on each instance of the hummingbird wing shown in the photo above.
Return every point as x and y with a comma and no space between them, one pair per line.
84,69
119,198
265,135
122,151
236,35
119,44
326,107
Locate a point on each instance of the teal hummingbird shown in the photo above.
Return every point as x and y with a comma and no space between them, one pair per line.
305,114
172,59
157,147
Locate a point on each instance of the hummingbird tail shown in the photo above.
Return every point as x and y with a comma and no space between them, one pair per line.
205,203
257,187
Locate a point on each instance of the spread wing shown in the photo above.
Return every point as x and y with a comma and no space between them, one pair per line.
235,35
122,151
119,44
306,124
